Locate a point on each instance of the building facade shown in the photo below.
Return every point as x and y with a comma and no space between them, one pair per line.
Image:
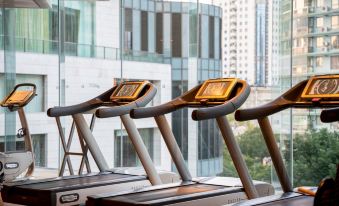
98,44
194,55
315,47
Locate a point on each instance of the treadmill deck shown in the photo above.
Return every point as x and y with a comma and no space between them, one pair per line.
165,196
45,192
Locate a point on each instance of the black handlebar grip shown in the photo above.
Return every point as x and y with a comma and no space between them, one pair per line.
75,109
125,109
330,115
228,107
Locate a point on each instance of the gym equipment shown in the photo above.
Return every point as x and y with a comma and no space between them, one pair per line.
317,92
73,190
214,99
14,164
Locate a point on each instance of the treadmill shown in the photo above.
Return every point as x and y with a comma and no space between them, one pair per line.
213,99
73,190
320,91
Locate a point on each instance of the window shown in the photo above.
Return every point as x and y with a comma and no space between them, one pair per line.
320,22
335,42
335,4
319,61
124,152
39,148
320,3
144,31
159,33
128,43
176,35
335,22
335,62
320,42
211,37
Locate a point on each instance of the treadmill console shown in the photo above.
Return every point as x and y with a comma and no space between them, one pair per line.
216,89
19,98
326,86
129,91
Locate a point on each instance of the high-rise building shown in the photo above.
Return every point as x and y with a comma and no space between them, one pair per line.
239,39
315,47
250,39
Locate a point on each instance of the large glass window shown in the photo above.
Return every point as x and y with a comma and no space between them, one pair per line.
124,153
176,45
128,35
144,31
176,35
159,33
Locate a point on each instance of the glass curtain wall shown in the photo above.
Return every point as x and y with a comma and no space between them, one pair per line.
76,50
314,52
29,53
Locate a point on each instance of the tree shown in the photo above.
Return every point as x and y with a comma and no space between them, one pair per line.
316,154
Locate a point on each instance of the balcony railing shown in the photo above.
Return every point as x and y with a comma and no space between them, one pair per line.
82,50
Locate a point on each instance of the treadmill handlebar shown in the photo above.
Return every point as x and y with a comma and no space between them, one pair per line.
330,115
125,109
259,112
290,98
164,108
224,109
80,108
155,110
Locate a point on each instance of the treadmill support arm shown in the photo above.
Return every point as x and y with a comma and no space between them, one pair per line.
141,149
236,156
173,147
274,151
93,146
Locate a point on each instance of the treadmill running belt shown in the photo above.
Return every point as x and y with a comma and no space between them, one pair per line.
295,201
167,195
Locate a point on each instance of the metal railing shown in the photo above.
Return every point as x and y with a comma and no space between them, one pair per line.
82,50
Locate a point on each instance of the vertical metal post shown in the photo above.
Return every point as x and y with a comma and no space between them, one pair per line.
277,159
28,140
93,146
9,25
237,158
141,149
173,148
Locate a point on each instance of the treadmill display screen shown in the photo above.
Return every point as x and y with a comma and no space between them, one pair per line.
322,87
218,89
18,97
128,90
